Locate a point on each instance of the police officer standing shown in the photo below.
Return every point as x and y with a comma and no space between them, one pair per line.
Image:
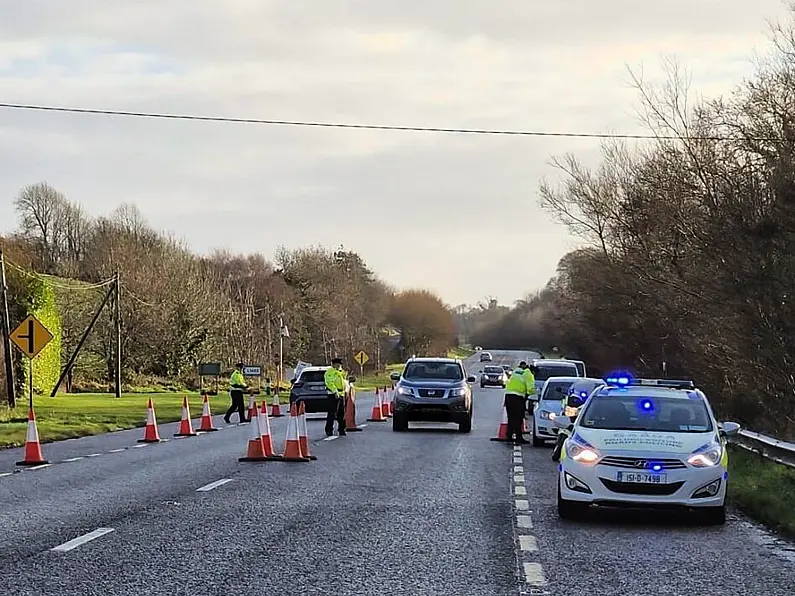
237,384
519,386
335,386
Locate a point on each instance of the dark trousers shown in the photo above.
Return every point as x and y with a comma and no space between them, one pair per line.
515,406
336,409
238,405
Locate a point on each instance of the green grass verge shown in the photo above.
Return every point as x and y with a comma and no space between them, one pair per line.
82,414
763,489
460,352
380,379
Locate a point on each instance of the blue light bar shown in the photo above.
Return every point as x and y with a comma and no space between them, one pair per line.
669,383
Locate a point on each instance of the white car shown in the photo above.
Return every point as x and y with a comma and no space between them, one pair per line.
645,443
549,405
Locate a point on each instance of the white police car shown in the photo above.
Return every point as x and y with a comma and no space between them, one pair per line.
645,443
548,405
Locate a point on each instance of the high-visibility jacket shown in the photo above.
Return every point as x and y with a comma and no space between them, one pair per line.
531,381
237,380
335,381
520,384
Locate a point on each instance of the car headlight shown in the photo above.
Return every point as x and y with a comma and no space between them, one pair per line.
707,456
546,415
582,453
405,391
460,392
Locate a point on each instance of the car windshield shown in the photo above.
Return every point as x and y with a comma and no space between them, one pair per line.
312,376
552,388
555,370
581,368
493,370
635,412
443,371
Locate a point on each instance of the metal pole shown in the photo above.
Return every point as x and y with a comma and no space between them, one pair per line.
5,327
281,351
117,316
30,380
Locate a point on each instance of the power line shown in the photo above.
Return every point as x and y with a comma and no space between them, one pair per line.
479,131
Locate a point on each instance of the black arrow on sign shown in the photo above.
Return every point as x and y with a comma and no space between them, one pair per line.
29,336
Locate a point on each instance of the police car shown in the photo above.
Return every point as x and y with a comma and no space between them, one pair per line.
645,443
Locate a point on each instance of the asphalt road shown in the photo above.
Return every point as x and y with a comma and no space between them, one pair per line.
426,512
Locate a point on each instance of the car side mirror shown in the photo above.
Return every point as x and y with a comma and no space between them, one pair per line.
292,381
395,376
471,379
728,429
561,422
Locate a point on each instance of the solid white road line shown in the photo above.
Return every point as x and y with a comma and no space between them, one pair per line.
331,438
40,467
519,490
208,487
524,521
80,540
534,574
522,504
528,544
117,450
74,459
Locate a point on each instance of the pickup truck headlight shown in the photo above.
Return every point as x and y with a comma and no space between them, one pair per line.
460,392
405,391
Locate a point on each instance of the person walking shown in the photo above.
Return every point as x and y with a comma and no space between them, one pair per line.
335,386
237,385
519,386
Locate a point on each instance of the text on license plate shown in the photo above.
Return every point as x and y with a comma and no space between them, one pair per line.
641,477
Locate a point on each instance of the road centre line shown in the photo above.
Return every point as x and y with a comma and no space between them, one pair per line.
528,544
117,450
534,574
80,540
73,459
518,479
519,490
518,469
40,467
93,455
208,487
331,438
524,521
4,474
522,504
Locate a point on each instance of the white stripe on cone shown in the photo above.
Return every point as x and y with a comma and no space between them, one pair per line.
33,433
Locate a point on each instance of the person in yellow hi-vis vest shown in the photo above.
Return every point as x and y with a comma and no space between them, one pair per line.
237,385
520,384
335,386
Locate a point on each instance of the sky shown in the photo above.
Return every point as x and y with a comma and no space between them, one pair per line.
457,214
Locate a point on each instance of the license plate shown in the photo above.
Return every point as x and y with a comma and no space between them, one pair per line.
317,388
640,477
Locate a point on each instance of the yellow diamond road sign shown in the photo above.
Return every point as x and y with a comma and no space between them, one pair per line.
361,358
31,337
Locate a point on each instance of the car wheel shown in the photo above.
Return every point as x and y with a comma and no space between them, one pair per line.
399,423
570,510
537,442
714,516
466,426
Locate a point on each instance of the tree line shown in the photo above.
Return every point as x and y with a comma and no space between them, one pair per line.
688,267
179,308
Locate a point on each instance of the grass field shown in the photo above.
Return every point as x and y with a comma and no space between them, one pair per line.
763,489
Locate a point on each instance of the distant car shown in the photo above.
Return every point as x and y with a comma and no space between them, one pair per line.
645,443
478,348
486,357
432,390
508,369
579,364
310,388
493,376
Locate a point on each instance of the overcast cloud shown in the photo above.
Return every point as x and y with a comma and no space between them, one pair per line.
448,212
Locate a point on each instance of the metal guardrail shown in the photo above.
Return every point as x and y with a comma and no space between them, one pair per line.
770,448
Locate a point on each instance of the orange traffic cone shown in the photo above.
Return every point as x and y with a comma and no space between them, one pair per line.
276,410
185,425
33,456
207,418
378,412
524,426
390,401
350,413
303,434
385,404
151,434
255,448
252,409
265,432
502,431
292,443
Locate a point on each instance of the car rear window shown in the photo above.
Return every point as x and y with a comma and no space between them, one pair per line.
552,390
312,376
446,371
555,370
493,369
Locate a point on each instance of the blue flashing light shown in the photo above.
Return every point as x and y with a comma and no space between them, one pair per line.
656,467
725,475
560,467
583,394
647,405
619,378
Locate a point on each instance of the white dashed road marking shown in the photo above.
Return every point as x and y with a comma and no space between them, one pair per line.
518,470
524,521
6,474
40,467
208,487
522,505
142,445
117,450
80,540
519,490
518,479
93,455
534,574
73,459
331,438
528,543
